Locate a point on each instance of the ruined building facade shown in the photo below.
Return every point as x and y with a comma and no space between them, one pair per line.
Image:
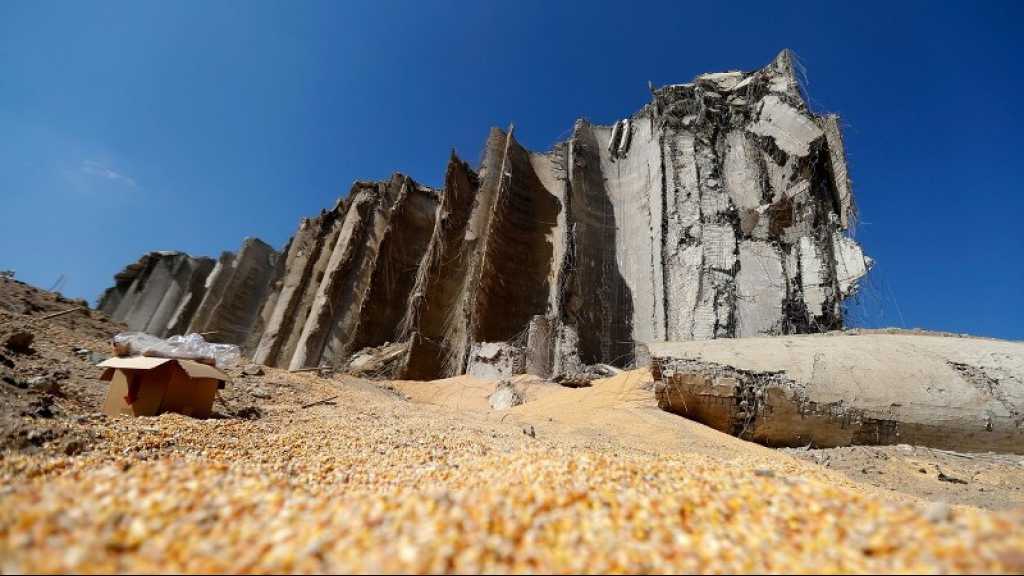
720,209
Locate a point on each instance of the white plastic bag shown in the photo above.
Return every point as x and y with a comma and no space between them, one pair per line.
191,346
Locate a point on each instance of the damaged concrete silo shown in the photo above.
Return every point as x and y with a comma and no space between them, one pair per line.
382,240
154,294
305,263
720,209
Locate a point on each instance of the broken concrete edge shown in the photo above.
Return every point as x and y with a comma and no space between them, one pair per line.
847,389
165,291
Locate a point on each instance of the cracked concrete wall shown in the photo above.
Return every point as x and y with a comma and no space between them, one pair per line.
305,262
347,278
840,389
235,294
720,209
409,229
153,294
440,276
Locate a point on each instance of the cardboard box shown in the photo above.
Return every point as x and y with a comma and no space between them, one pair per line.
143,386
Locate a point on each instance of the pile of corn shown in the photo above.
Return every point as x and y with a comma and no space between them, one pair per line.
375,486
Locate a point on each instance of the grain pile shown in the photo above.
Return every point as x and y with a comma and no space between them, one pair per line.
376,483
377,479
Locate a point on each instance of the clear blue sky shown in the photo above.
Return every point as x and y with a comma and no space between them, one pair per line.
136,126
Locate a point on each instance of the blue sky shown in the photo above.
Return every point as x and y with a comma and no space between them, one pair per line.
135,126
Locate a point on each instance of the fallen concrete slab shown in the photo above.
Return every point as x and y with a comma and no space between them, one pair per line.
840,389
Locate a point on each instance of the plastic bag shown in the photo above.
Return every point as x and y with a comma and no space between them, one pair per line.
191,347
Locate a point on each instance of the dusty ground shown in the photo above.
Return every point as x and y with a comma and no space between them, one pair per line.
425,477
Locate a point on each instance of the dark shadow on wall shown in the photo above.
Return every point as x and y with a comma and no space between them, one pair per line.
596,300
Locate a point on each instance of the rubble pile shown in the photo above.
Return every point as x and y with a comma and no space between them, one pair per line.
721,209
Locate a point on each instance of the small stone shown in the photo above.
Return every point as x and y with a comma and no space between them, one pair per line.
40,407
938,512
505,396
20,342
60,374
43,384
764,473
252,370
74,447
260,393
951,479
530,431
249,413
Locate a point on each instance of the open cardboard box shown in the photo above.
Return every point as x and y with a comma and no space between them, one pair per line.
144,386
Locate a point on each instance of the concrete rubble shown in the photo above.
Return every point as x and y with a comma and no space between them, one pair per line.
828,390
721,209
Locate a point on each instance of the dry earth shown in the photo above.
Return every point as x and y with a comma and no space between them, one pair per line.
425,477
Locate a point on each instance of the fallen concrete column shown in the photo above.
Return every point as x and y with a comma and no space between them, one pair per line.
831,390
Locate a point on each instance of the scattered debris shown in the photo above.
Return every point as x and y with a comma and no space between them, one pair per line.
90,356
946,478
378,363
44,384
248,413
319,402
64,312
586,375
252,370
42,406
